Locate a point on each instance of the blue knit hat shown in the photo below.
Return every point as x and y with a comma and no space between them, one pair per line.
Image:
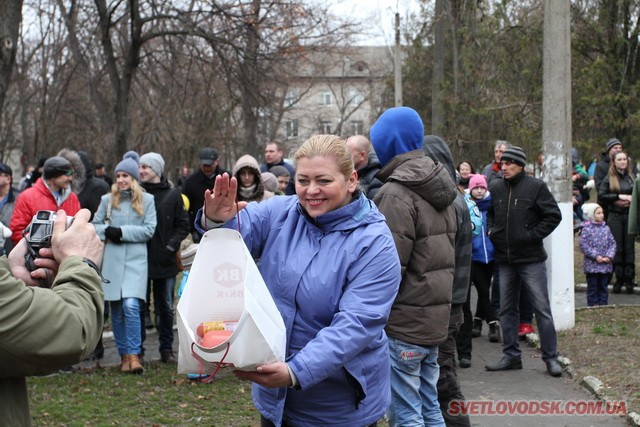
397,131
132,154
129,166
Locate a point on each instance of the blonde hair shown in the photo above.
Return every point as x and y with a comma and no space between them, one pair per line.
136,197
614,180
328,145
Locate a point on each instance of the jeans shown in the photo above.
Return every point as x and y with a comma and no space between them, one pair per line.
414,379
125,318
597,292
163,310
526,310
532,276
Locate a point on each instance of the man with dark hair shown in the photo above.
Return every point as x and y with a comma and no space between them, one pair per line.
522,214
101,173
274,156
199,181
51,192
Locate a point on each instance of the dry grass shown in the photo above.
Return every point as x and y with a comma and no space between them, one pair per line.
604,343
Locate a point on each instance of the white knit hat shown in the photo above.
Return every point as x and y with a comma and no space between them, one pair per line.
589,210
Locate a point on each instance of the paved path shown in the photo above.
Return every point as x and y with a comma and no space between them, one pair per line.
532,383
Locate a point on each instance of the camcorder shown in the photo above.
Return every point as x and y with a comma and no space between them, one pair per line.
38,235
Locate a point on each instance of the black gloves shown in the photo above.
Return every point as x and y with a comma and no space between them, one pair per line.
113,234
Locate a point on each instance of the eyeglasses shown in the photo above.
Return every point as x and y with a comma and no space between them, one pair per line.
69,173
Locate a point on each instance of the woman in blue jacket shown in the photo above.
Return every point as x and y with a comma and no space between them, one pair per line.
125,220
329,261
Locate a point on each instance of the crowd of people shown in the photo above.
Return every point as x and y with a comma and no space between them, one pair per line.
369,247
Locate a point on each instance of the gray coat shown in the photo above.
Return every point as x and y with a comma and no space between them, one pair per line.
125,264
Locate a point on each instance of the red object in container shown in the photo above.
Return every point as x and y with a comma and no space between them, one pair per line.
214,338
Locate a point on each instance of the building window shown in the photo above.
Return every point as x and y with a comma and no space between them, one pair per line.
325,98
357,127
325,127
291,128
355,97
290,98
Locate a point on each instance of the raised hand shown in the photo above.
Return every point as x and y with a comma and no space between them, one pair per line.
220,203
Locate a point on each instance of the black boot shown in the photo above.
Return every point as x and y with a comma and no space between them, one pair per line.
617,287
477,327
494,331
629,285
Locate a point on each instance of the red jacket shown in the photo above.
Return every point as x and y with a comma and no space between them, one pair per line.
34,199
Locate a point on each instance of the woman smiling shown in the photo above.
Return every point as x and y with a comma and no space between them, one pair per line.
329,261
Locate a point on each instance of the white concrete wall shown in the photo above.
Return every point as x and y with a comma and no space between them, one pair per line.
559,247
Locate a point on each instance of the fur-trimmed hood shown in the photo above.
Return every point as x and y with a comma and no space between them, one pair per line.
79,170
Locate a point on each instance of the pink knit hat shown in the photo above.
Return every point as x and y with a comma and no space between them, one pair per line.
477,180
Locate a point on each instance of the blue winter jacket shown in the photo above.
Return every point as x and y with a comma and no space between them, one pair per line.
482,246
334,279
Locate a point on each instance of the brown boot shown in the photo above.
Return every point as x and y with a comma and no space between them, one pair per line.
136,366
126,363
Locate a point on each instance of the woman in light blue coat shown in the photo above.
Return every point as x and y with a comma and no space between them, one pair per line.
330,263
125,220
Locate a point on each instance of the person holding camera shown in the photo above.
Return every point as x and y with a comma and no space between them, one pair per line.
45,329
125,221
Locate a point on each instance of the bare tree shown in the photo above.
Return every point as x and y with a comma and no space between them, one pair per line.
10,19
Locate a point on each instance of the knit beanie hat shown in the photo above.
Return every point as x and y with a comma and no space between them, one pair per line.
154,161
397,131
515,155
612,143
57,166
278,171
589,210
132,154
477,180
129,166
269,181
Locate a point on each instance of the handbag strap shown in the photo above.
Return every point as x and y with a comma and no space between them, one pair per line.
107,218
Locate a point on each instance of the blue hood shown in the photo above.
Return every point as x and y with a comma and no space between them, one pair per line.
397,131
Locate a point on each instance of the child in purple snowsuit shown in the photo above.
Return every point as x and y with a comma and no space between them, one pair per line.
599,247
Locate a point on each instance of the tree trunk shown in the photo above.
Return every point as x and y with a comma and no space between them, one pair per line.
10,18
437,102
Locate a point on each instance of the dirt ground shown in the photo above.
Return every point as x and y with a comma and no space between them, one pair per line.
605,343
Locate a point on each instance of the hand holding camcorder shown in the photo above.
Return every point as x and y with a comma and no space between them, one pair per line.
38,235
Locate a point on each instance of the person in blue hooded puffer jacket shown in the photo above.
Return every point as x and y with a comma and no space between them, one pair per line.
330,263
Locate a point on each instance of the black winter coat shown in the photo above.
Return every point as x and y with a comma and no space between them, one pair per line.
172,227
369,183
522,214
607,196
194,188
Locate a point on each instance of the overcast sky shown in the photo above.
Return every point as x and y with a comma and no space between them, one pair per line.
379,13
